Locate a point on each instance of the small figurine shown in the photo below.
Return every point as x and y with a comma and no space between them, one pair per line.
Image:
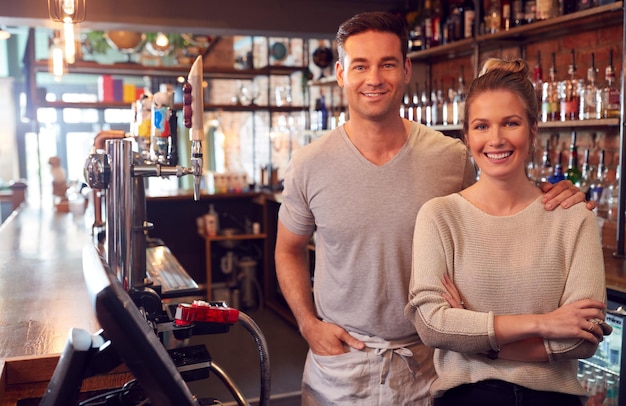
59,184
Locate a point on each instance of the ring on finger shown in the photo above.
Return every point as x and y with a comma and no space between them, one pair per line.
590,327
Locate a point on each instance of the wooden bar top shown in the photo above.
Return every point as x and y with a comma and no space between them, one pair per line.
42,289
42,296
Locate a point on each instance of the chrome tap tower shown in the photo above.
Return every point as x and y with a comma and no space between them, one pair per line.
116,171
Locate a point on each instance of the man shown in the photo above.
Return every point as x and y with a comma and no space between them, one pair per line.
360,188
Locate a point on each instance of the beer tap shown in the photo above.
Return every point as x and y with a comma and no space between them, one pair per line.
193,111
116,171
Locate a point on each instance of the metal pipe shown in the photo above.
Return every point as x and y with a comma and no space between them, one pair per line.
119,210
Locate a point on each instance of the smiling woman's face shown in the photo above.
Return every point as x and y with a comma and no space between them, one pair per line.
499,135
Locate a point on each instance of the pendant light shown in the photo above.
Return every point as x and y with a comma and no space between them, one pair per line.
4,34
67,11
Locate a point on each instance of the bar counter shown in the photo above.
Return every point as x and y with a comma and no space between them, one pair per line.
43,296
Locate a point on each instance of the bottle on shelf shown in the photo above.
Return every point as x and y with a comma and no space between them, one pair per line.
530,11
426,107
492,17
597,187
612,196
538,79
569,93
405,106
453,23
590,94
585,173
568,7
458,104
468,14
557,174
546,163
448,105
323,114
439,11
547,9
434,111
427,24
506,19
417,105
611,398
441,105
550,107
573,171
518,14
610,92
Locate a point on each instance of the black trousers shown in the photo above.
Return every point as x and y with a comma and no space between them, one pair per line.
494,392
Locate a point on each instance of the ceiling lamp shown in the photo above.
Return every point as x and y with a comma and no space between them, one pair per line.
67,11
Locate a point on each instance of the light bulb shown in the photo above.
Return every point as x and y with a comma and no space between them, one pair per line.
162,40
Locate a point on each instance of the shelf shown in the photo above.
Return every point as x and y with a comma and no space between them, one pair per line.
135,69
601,16
325,81
178,107
604,122
237,237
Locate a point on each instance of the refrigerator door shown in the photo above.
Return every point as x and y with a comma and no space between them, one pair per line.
600,374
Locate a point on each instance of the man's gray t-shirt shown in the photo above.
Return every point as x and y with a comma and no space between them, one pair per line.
364,216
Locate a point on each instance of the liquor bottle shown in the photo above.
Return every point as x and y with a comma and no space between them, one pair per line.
441,104
610,92
538,80
416,40
427,112
455,24
434,111
585,174
557,174
611,398
569,6
590,94
409,108
468,14
546,163
518,13
547,9
439,11
417,105
404,106
530,11
612,196
569,96
597,187
573,171
323,116
550,95
427,24
458,104
492,17
506,19
448,106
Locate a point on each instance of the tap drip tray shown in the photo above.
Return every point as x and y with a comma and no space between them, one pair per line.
164,270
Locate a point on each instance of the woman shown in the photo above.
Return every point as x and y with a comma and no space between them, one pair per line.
531,287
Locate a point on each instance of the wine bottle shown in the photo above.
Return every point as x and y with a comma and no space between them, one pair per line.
573,171
570,94
610,92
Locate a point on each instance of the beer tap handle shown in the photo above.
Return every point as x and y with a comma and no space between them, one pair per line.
193,111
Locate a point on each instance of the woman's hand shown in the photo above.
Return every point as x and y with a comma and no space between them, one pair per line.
580,319
452,295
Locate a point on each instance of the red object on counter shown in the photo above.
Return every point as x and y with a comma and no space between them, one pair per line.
205,312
